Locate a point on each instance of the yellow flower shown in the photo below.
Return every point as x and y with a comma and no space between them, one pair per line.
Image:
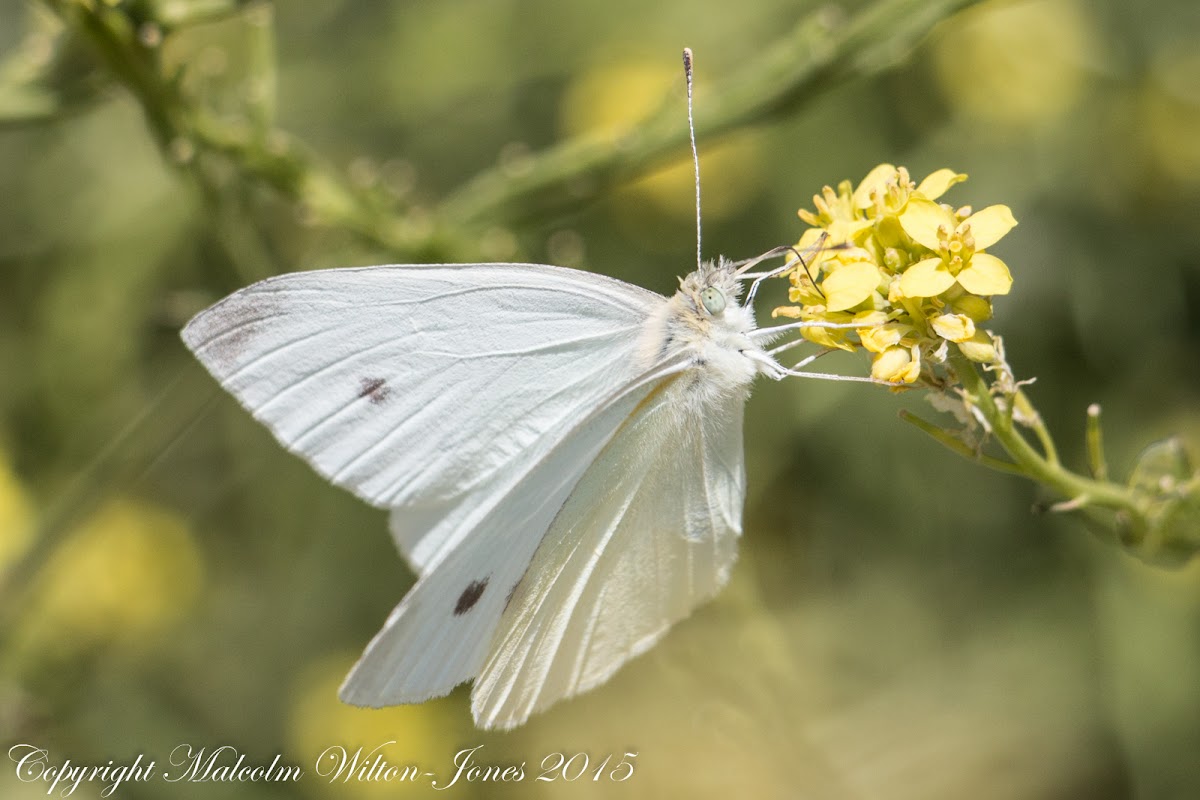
880,338
938,183
958,247
979,309
897,365
979,348
850,284
910,274
953,327
882,184
887,189
836,215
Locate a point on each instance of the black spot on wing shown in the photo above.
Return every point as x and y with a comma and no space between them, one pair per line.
469,597
374,389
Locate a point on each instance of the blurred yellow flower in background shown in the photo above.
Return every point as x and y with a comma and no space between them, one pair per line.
128,572
16,516
423,735
610,100
1016,64
1170,113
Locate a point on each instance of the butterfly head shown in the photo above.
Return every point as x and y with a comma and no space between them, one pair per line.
711,293
705,321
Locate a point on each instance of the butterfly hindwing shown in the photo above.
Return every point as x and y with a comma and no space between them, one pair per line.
649,532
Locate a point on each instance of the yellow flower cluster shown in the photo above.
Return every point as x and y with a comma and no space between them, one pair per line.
912,271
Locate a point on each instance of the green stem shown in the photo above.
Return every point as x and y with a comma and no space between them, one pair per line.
1096,493
1095,444
815,57
36,87
185,132
1038,425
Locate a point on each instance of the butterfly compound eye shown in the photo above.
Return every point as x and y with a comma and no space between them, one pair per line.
713,299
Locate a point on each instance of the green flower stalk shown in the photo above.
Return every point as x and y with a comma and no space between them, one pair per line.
910,281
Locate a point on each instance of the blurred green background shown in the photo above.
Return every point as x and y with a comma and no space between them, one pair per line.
900,624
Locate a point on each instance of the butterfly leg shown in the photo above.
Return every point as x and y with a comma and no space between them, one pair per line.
776,371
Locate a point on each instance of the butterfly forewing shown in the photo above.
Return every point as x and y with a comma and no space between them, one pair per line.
425,387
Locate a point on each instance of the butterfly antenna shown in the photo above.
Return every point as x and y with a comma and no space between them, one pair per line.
687,71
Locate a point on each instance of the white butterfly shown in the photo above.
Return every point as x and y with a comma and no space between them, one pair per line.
561,451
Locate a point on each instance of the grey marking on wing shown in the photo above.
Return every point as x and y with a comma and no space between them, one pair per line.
374,389
511,592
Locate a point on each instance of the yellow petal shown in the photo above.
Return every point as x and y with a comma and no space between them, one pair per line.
926,278
876,179
977,308
985,275
808,217
914,367
921,220
842,231
809,238
870,319
989,225
879,339
896,364
954,327
826,337
849,285
936,184
847,255
979,348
